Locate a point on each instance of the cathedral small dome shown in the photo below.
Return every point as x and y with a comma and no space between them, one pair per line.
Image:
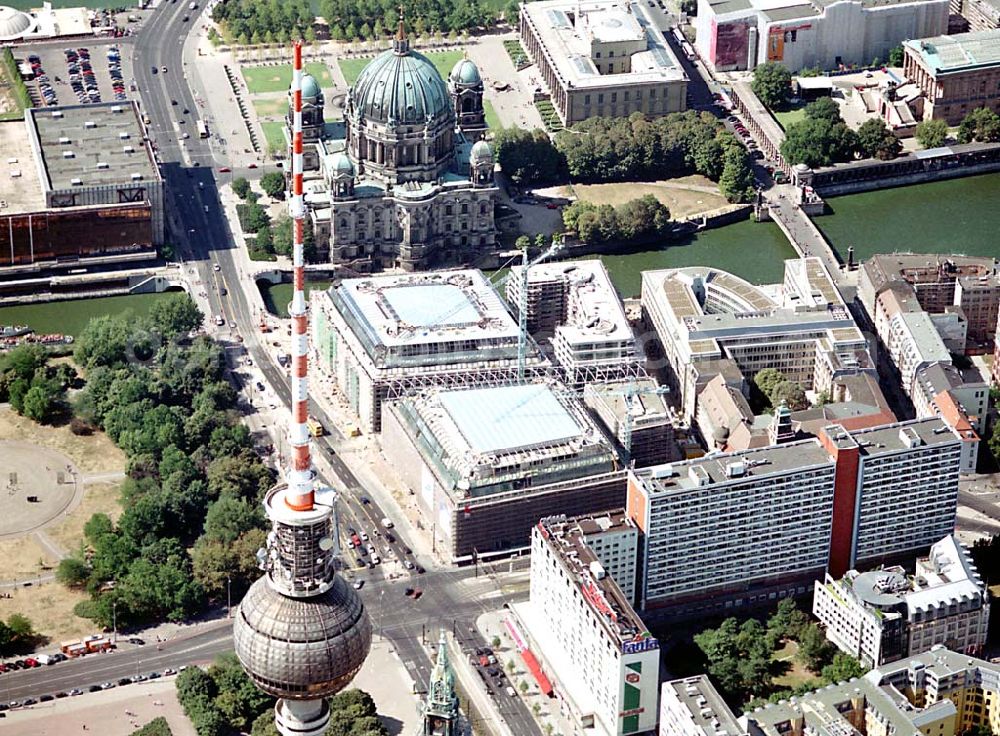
481,152
342,164
401,89
465,72
310,87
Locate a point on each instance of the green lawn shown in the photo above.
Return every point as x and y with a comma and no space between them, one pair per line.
270,107
70,317
279,78
277,296
787,117
491,116
274,134
443,60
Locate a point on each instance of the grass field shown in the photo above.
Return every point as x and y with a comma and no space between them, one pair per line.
277,296
683,196
98,498
261,79
442,60
274,135
92,455
50,608
491,115
795,676
270,107
70,317
787,117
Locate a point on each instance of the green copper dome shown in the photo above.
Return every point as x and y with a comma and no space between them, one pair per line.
310,87
481,152
342,164
465,72
400,89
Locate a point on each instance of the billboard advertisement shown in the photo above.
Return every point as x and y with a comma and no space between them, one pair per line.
778,36
732,45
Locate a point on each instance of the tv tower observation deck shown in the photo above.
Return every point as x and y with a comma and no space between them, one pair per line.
301,632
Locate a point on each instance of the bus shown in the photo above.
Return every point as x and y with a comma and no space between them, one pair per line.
202,129
315,428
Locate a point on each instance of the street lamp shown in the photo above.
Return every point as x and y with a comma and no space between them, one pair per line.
114,622
229,600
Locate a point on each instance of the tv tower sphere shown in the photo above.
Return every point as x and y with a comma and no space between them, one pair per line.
301,632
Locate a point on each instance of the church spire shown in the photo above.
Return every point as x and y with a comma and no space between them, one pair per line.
401,44
440,706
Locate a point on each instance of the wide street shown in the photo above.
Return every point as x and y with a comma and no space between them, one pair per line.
197,227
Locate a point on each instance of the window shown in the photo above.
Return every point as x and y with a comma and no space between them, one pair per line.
586,99
597,55
614,97
600,98
626,97
611,67
611,54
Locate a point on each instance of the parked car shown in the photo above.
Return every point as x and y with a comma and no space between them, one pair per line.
359,584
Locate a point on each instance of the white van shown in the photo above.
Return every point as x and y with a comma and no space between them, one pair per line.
376,559
510,691
387,523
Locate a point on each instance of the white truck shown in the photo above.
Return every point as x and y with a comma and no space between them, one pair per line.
193,6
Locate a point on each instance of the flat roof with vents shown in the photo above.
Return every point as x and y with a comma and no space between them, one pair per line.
94,133
20,189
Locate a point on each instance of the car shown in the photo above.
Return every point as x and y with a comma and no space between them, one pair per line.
182,668
420,570
376,559
222,291
359,584
173,102
76,691
62,694
361,563
184,19
4,706
45,698
408,592
390,538
260,386
364,536
252,166
153,70
365,500
510,692
124,681
28,701
94,689
248,361
155,675
491,658
372,550
163,69
225,170
232,325
108,685
136,640
408,565
169,671
216,267
185,111
387,523
483,661
139,678
417,593
14,704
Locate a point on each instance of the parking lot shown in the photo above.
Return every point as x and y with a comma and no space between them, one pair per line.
86,71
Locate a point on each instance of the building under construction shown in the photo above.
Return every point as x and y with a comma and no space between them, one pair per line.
486,463
635,413
388,336
575,305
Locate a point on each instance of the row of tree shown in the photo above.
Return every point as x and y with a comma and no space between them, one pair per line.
265,21
774,388
375,19
191,518
740,656
605,149
823,138
637,220
34,388
223,700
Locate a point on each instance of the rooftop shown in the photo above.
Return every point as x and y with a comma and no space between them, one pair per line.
567,28
888,438
427,318
507,418
91,145
20,188
960,52
706,707
567,538
635,397
927,340
923,268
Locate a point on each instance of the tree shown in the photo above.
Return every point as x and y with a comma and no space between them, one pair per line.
842,667
737,180
739,656
256,218
216,564
72,572
815,652
156,727
981,125
787,622
875,140
176,314
772,83
230,517
264,725
527,156
791,394
40,401
896,56
823,109
273,184
241,187
767,378
523,242
818,142
932,133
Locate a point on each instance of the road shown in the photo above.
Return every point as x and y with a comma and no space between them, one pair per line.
200,232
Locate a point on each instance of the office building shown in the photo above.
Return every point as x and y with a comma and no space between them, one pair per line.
704,317
82,186
734,35
693,707
839,500
636,414
602,58
486,463
388,336
575,305
884,615
983,15
604,661
955,74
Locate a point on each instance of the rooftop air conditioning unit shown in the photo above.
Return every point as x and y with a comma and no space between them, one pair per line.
123,135
136,177
736,469
128,149
102,165
90,124
64,140
57,113
68,154
15,173
76,182
12,160
116,108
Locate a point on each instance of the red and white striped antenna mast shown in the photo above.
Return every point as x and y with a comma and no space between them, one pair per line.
300,476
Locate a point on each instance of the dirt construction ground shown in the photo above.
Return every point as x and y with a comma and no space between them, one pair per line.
37,485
